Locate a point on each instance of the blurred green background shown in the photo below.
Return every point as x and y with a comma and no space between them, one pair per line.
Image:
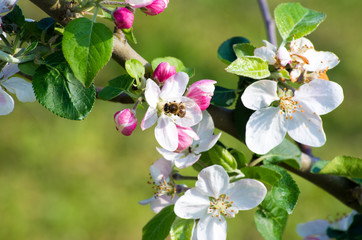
62,179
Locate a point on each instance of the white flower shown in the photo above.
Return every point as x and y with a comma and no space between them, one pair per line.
213,198
21,88
165,191
207,139
272,55
317,230
169,107
297,114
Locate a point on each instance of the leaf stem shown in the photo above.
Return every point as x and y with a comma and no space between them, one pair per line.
258,160
95,14
177,176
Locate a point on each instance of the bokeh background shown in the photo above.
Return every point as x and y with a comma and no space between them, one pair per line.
81,180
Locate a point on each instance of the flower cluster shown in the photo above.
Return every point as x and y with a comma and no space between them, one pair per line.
280,108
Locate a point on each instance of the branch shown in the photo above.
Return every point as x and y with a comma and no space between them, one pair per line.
269,21
341,188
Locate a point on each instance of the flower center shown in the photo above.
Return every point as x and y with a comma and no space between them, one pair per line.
174,108
222,206
287,105
163,188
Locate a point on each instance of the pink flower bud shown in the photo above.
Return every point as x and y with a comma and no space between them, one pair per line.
126,121
156,7
201,92
123,18
185,137
163,71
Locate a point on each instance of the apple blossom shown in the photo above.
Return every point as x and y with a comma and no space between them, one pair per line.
139,3
169,107
297,113
156,7
185,137
272,55
317,230
123,18
165,191
163,71
190,155
126,121
201,92
21,88
213,199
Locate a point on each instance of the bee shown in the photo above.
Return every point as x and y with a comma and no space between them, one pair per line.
175,108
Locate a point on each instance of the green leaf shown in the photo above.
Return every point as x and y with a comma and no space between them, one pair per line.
270,220
285,192
243,49
159,226
317,166
130,35
280,74
344,166
87,46
295,21
239,157
28,68
177,63
252,67
116,86
57,89
224,97
13,21
182,229
226,52
265,175
135,68
285,152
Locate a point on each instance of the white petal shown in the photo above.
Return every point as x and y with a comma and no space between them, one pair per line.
193,113
246,193
270,45
166,133
9,70
260,94
211,228
283,56
139,3
320,61
161,202
206,143
6,103
169,155
306,128
206,127
23,89
192,205
265,130
299,46
152,93
320,95
212,181
160,170
149,119
317,227
187,161
175,86
266,54
147,201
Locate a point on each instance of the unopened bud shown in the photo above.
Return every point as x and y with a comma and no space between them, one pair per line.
126,121
201,92
163,71
156,7
123,18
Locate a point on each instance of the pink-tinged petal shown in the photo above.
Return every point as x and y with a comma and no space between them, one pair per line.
163,71
155,8
22,88
175,86
212,181
283,56
149,119
201,92
320,61
6,103
306,128
187,161
123,18
126,121
211,228
246,193
266,54
161,202
265,130
207,143
139,3
300,45
260,94
320,95
185,137
192,205
161,170
313,228
169,155
193,113
166,133
152,93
